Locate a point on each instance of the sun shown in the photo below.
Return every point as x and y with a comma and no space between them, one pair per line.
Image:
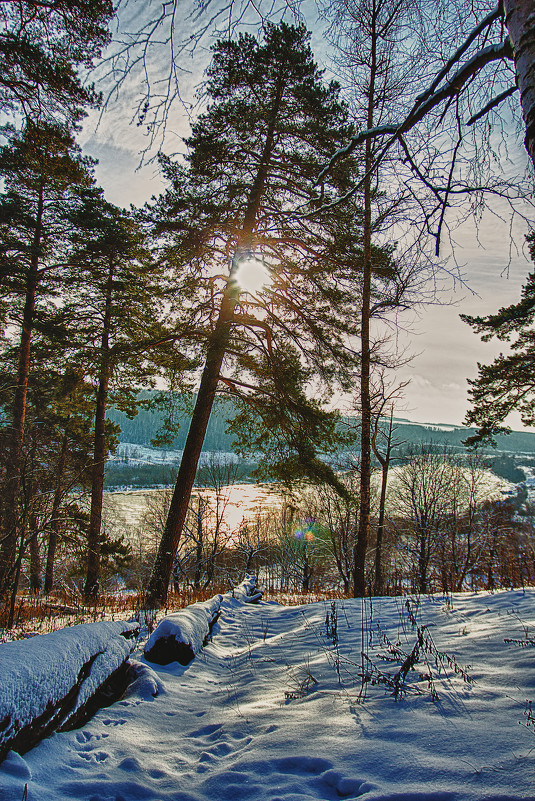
252,275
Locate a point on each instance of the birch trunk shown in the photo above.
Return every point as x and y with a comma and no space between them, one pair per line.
520,21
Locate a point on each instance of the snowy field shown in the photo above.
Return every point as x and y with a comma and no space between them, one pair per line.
274,709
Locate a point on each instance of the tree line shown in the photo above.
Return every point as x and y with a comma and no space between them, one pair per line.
447,528
99,303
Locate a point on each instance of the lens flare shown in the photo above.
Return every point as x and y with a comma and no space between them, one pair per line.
306,530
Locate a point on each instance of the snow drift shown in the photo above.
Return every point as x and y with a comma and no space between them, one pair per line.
49,680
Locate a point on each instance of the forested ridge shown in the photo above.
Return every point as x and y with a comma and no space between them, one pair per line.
148,423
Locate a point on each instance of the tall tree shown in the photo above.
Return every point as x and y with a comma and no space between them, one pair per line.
44,174
252,159
115,295
377,65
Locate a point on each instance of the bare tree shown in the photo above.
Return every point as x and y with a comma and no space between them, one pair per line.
383,444
376,65
446,135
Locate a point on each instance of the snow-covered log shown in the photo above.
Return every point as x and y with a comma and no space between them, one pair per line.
248,590
56,681
180,636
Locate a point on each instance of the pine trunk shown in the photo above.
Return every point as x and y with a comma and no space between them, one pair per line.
15,448
217,347
100,451
54,521
520,21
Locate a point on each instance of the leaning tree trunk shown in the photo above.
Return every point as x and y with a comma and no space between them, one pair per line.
520,21
217,348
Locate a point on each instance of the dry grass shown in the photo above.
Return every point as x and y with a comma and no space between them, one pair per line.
42,614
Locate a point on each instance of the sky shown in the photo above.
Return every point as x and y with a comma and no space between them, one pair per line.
492,256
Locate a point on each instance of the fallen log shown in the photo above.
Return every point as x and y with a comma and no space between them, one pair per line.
57,681
248,591
180,636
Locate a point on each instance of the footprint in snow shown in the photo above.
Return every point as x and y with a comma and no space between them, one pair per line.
93,756
84,739
208,732
299,777
114,722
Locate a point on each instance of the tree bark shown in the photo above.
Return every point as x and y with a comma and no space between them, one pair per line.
520,21
100,450
361,545
54,520
15,452
385,465
36,581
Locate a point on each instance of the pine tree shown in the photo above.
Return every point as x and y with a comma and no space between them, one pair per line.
42,44
505,385
43,174
115,302
245,200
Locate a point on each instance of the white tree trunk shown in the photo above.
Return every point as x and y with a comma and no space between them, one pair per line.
520,21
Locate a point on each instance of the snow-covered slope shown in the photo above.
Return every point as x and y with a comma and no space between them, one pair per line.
273,710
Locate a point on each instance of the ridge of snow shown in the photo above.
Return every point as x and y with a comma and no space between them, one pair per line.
44,668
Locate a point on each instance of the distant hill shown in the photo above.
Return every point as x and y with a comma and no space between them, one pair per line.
143,428
517,442
147,424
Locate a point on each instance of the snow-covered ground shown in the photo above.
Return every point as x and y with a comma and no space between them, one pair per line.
270,711
133,454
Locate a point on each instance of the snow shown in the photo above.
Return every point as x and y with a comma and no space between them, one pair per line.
247,591
44,668
272,709
189,627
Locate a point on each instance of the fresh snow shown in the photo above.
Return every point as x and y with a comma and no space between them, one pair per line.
272,710
188,627
44,668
